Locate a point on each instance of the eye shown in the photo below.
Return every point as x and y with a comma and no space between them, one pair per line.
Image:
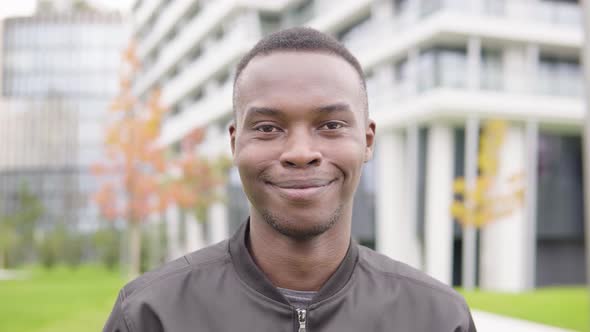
332,125
266,129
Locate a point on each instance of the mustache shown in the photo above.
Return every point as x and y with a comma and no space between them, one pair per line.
298,181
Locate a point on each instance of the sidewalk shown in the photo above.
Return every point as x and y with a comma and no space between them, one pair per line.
487,322
13,275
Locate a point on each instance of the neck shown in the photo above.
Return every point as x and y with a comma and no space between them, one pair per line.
298,264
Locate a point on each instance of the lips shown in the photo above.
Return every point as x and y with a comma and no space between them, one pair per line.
301,189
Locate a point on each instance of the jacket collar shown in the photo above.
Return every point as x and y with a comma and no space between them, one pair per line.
249,272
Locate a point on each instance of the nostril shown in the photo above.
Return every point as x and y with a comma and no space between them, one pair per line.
290,164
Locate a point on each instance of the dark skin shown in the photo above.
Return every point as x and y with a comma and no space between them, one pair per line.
300,139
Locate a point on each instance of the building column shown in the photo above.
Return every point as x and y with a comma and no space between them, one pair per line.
531,178
473,63
515,69
413,74
217,223
155,248
439,196
395,234
194,233
532,55
469,231
477,6
173,232
505,255
382,10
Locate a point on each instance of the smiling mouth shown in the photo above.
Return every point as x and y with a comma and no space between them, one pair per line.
306,190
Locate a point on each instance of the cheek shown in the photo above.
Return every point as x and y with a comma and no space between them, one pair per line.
251,160
349,157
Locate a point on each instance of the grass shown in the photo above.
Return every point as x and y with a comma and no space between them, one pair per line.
565,307
61,299
67,300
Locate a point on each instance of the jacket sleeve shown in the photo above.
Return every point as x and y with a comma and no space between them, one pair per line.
116,321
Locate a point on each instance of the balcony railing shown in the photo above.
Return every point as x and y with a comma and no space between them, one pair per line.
546,11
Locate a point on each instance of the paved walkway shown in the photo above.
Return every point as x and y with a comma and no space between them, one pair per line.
12,274
486,322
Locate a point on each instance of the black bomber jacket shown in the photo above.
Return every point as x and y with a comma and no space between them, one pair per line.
220,288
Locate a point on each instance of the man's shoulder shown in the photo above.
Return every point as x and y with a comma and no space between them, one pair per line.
410,277
167,274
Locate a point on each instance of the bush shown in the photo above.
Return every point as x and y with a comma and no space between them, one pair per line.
107,243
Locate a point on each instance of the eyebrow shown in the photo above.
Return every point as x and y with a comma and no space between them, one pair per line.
273,112
332,108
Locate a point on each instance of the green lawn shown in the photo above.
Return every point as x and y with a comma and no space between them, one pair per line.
566,307
59,300
64,300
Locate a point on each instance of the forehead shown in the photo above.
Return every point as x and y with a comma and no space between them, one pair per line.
298,77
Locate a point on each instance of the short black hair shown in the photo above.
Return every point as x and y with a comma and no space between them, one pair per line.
299,39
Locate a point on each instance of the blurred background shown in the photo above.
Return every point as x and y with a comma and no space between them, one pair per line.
114,152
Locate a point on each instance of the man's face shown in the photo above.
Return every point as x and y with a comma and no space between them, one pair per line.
300,139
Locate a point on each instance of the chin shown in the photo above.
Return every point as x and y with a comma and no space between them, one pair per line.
303,228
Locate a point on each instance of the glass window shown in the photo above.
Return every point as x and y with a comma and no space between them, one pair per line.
402,78
427,70
302,13
559,76
269,23
428,7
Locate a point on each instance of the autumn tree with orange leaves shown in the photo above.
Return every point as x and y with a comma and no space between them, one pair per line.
139,178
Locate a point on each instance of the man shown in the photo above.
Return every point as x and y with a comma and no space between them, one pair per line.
300,136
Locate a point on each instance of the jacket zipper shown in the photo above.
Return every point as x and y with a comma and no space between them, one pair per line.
302,319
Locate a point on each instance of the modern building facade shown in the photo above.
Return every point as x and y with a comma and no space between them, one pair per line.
436,71
59,74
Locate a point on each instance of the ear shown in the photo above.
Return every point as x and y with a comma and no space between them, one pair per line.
232,137
370,139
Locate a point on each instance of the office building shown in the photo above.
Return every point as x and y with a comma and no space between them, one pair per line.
436,71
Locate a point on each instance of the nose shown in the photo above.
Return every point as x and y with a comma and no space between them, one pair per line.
300,151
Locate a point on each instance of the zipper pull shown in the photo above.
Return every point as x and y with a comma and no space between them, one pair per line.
301,317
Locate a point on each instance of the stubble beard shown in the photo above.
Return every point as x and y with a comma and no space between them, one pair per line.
284,226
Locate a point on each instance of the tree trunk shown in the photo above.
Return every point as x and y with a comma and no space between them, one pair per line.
134,248
2,259
586,62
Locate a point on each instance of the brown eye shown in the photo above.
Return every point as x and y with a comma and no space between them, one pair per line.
266,128
332,125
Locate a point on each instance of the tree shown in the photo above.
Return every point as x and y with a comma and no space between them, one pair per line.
193,185
146,181
480,203
135,161
17,227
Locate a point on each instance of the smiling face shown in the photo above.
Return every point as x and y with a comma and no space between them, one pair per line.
300,140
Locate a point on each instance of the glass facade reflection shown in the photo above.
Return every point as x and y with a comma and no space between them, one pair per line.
59,74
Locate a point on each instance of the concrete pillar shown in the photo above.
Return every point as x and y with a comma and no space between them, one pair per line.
477,6
515,78
473,63
415,10
413,66
384,83
172,232
439,196
532,68
194,233
505,241
469,231
520,9
217,223
395,233
382,10
155,248
531,164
